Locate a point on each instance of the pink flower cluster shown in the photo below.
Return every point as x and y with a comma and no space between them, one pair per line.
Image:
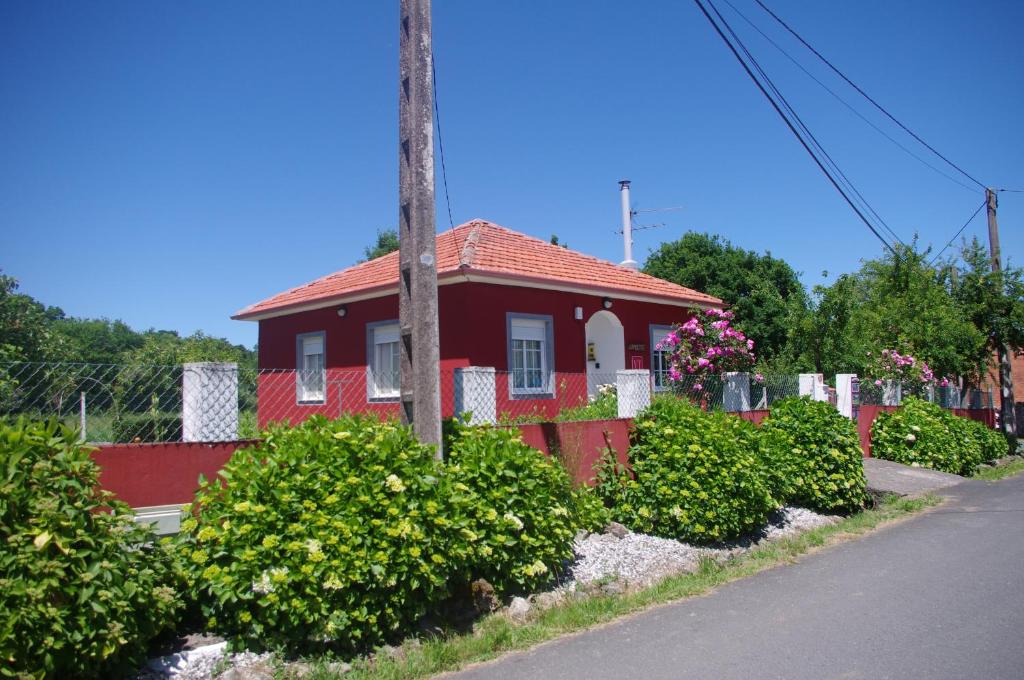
706,345
891,365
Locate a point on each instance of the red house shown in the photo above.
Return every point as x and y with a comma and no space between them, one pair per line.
552,322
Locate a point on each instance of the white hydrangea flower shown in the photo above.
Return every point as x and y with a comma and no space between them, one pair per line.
515,521
911,438
394,483
263,585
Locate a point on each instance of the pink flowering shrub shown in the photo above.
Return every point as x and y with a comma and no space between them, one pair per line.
705,347
915,375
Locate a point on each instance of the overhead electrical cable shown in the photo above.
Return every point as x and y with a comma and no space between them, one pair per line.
796,117
793,126
958,232
866,95
842,101
444,169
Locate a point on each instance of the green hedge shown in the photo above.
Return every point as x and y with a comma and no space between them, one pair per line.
147,427
329,534
83,588
924,434
812,456
523,507
696,476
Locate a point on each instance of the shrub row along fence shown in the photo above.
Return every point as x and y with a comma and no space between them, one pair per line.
214,402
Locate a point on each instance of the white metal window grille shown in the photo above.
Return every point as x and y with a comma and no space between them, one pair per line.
384,367
529,356
311,374
659,358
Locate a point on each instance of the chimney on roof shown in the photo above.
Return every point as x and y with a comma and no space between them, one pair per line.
627,227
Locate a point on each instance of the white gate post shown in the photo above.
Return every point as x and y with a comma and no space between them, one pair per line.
736,392
844,393
813,385
476,393
892,393
209,409
632,391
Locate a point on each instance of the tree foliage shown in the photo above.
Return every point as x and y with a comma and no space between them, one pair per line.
760,288
897,301
387,242
32,331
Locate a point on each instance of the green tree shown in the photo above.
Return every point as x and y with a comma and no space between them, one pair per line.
897,302
26,332
994,304
97,341
387,242
764,291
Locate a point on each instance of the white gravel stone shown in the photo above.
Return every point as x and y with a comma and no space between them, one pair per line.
637,560
200,664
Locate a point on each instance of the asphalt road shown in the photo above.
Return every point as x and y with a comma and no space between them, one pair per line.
938,596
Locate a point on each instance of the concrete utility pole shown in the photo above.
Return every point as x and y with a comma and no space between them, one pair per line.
417,297
1007,416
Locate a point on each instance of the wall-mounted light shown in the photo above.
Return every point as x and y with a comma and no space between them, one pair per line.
342,311
606,303
577,313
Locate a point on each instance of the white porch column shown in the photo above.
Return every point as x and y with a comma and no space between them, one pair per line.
633,391
736,392
209,402
844,393
813,385
476,393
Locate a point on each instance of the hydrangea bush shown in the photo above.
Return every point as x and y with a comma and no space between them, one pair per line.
812,456
926,435
704,347
83,588
332,533
696,476
524,512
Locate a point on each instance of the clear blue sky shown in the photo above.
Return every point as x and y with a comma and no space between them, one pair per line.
169,163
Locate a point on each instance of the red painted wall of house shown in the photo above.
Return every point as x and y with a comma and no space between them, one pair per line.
472,333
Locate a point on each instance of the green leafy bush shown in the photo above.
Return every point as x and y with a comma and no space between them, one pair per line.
924,434
83,588
525,512
811,456
147,427
696,476
329,534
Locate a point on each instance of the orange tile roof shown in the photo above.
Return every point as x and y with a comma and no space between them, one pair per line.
483,249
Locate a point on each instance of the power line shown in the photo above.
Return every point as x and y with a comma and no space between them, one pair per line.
843,101
958,232
814,140
866,95
789,123
440,141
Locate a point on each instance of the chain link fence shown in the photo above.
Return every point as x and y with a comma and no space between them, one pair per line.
222,402
892,393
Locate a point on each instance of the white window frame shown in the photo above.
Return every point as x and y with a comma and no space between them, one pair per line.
532,328
305,346
658,333
378,334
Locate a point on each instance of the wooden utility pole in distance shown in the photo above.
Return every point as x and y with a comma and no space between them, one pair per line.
417,297
1007,416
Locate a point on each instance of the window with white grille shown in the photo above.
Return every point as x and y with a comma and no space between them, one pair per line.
310,374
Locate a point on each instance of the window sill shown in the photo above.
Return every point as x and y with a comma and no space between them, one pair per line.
516,396
390,399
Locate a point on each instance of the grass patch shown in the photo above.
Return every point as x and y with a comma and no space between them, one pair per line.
1001,470
495,635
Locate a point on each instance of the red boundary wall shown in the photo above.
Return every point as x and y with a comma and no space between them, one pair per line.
144,475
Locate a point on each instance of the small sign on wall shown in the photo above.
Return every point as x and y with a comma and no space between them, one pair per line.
637,362
640,347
